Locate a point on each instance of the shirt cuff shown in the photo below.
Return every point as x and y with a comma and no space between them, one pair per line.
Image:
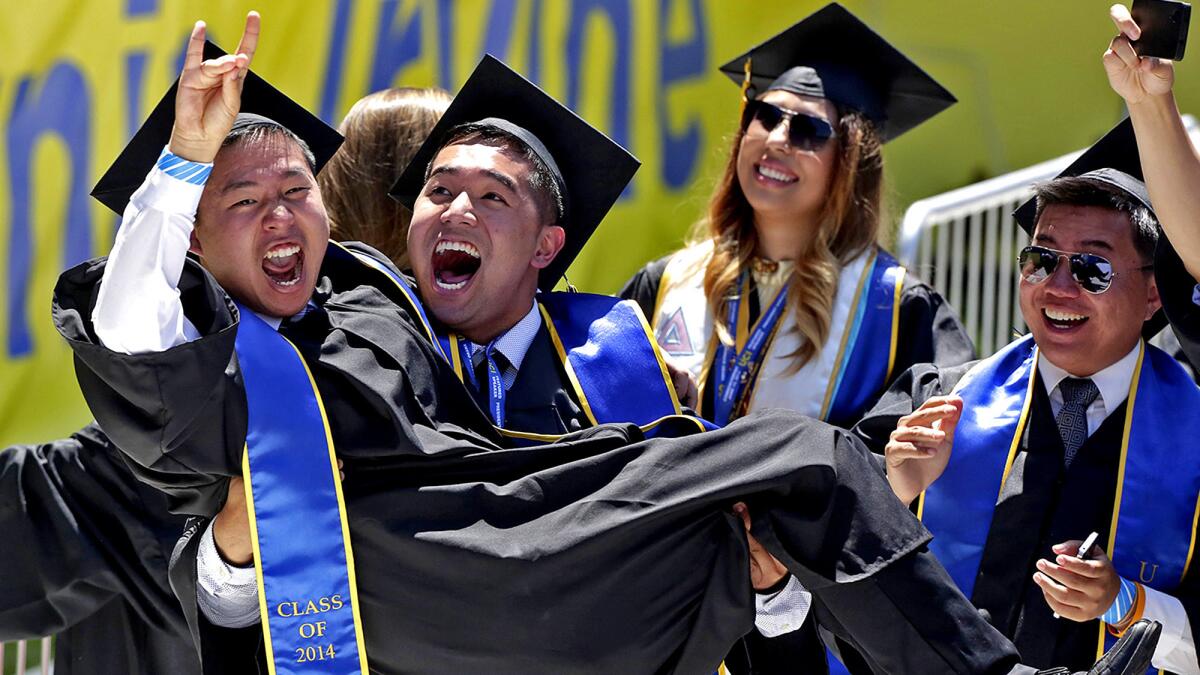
1176,631
227,594
174,185
782,612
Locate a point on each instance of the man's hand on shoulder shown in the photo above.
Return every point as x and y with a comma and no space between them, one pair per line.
210,94
685,385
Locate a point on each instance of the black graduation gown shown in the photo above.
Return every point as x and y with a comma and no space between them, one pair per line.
600,553
1040,505
86,551
1176,287
929,331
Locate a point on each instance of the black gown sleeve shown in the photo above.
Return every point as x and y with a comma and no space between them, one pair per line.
180,414
79,531
643,286
1177,289
223,651
930,331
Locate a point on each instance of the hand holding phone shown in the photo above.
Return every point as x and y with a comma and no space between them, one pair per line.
1164,27
1084,552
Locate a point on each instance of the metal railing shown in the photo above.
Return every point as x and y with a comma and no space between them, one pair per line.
27,657
964,243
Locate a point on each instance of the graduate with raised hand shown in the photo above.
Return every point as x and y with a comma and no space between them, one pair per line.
474,548
1080,426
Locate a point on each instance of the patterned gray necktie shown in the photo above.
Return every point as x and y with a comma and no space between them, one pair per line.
1078,394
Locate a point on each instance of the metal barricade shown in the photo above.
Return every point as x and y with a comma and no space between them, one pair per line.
27,657
964,243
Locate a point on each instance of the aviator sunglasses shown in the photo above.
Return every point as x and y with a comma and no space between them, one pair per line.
1093,273
804,131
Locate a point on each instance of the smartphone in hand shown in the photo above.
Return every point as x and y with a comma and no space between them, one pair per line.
1085,552
1164,25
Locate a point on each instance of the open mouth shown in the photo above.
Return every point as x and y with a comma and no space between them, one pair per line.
454,264
284,265
767,173
1063,320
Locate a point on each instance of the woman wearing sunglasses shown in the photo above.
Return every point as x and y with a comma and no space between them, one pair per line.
784,300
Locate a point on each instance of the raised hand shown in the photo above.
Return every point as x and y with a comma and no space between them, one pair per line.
919,448
210,94
1133,77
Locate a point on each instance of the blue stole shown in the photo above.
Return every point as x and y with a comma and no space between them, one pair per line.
306,587
1158,483
605,345
875,328
609,355
301,540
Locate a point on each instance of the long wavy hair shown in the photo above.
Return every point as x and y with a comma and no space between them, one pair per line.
849,225
383,131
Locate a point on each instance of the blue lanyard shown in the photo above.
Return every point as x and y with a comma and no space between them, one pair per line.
495,389
734,367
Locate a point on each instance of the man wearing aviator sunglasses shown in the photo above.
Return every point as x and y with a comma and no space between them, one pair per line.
1093,273
1078,427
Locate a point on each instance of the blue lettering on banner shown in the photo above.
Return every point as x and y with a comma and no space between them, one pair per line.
337,59
500,27
534,69
135,8
619,15
135,71
679,62
33,117
395,45
445,33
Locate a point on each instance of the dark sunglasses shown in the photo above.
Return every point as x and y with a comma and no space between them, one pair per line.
1093,273
804,131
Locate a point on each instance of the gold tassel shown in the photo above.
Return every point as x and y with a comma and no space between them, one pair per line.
745,85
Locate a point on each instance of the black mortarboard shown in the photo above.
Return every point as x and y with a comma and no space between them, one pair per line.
1112,160
260,103
593,168
832,54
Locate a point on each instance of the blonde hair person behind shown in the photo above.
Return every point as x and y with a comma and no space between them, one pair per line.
383,131
783,298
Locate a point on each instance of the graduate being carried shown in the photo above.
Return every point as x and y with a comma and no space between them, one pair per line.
475,549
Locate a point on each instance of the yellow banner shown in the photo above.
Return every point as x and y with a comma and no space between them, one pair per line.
80,75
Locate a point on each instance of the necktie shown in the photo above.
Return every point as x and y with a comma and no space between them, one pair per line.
1078,394
488,369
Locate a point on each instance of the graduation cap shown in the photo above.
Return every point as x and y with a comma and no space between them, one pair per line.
831,54
1113,161
260,103
591,169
